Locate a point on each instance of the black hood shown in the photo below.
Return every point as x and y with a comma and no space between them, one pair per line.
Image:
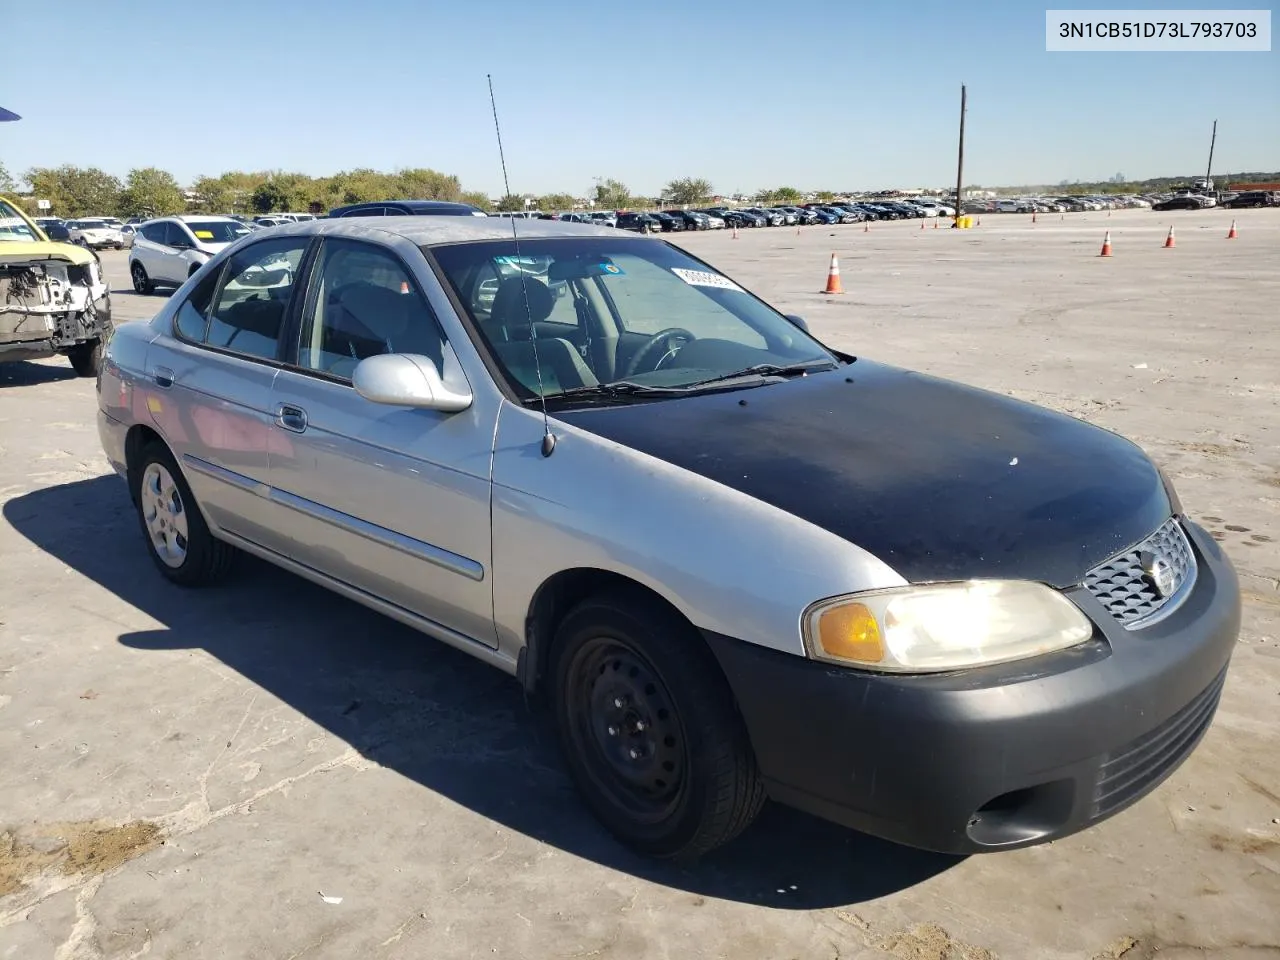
939,480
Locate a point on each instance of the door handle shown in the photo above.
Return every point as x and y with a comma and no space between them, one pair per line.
163,377
291,417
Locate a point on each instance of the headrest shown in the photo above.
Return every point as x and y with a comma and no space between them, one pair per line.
509,302
378,308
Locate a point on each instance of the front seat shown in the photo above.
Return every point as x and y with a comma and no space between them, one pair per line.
510,330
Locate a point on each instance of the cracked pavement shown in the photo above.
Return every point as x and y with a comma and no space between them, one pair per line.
292,746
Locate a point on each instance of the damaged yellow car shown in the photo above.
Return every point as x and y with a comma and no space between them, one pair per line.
54,299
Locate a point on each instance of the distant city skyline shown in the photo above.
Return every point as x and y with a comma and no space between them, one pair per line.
859,97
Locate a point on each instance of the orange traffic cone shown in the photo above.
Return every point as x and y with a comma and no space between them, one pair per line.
1106,245
1231,234
1033,216
1168,241
921,224
735,231
935,224
1062,216
833,277
797,229
866,226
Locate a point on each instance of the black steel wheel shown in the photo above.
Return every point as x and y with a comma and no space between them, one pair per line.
649,728
630,738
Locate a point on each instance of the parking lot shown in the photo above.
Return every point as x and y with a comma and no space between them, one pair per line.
269,771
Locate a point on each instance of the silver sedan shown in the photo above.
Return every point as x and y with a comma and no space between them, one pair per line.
731,561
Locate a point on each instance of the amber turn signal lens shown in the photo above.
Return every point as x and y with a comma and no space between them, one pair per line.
849,631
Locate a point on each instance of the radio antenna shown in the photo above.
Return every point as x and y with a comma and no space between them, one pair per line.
548,438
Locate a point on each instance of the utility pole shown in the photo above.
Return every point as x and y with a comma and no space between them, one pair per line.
960,162
1214,139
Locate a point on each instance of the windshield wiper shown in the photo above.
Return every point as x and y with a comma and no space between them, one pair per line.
769,370
620,390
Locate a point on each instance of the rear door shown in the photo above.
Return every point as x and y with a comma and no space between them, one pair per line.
210,382
391,500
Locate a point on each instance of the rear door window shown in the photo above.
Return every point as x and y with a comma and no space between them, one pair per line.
248,312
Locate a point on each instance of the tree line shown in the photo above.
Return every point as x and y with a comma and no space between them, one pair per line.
151,192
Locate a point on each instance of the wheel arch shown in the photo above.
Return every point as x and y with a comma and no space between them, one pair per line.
554,598
139,437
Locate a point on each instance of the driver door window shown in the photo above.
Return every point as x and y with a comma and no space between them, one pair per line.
175,236
366,303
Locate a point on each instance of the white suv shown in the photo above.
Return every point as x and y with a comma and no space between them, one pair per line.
165,252
95,233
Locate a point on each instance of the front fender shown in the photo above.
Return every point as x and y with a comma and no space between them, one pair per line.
727,561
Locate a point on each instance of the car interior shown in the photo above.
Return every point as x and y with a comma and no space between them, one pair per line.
592,327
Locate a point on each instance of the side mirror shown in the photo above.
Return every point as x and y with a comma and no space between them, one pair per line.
798,321
406,380
58,233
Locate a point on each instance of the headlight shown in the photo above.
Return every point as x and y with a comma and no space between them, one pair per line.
950,626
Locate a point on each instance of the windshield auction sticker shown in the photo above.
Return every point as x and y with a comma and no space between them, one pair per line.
701,278
1153,31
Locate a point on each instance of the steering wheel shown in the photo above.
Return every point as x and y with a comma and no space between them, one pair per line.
662,339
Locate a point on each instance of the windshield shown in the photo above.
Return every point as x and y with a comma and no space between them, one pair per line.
615,311
13,227
217,231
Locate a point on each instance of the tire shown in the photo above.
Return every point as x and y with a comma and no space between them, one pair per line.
649,729
86,358
141,282
190,555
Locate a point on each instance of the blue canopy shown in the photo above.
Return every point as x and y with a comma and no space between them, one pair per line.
8,115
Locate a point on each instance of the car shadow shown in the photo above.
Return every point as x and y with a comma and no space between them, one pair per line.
433,714
24,373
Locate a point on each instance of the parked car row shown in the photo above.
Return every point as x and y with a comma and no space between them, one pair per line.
1064,204
1253,198
97,233
720,217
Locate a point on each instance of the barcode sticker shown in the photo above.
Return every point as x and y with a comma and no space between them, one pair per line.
702,278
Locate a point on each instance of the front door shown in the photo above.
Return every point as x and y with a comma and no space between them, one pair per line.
392,500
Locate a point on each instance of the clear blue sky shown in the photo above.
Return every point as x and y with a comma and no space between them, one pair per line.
747,94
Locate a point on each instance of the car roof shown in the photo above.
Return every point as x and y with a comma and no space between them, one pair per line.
435,231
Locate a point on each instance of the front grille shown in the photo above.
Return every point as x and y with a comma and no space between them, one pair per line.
1130,770
1123,586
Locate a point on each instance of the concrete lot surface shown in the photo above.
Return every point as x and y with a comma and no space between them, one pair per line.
188,775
